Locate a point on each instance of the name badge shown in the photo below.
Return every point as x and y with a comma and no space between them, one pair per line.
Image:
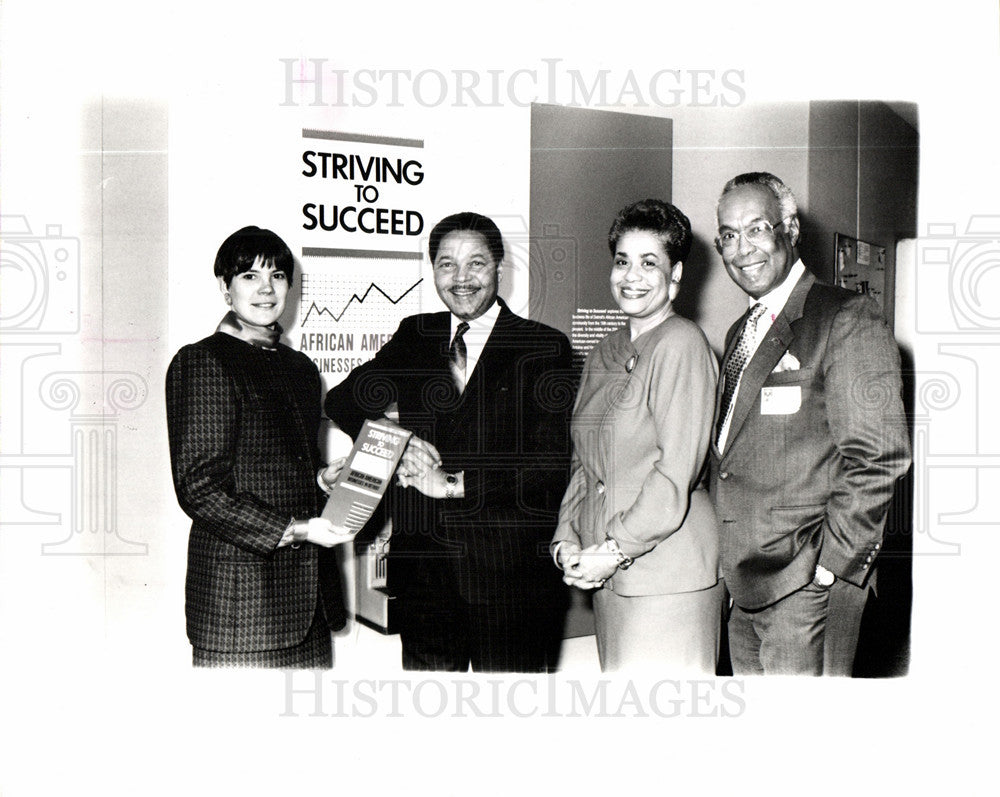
780,399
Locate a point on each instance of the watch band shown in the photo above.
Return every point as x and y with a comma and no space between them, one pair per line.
624,560
823,577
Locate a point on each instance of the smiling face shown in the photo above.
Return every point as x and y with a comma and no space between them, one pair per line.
258,295
465,274
758,267
640,278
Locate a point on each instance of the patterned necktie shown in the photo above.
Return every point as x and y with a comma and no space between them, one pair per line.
457,357
736,363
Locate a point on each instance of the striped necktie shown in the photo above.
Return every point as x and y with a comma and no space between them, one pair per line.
457,357
736,363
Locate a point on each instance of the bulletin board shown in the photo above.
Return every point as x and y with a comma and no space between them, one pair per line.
860,266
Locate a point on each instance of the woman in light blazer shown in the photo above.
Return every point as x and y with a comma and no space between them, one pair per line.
636,524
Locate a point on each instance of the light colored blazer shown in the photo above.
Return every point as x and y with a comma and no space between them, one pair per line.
816,443
641,428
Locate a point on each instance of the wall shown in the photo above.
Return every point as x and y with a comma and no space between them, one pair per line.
585,166
712,145
863,159
837,157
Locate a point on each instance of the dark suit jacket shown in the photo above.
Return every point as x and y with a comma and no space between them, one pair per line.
508,432
814,451
243,425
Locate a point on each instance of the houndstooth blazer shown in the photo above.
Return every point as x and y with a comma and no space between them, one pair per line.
243,424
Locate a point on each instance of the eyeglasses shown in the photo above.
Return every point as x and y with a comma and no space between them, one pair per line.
760,232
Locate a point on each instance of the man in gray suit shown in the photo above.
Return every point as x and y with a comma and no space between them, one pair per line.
810,438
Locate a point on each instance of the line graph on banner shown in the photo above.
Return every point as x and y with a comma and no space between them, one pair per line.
325,297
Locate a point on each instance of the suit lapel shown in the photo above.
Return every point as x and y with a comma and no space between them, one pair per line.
480,380
779,338
476,381
731,337
442,341
431,355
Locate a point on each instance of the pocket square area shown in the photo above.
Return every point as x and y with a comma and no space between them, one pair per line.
788,362
780,400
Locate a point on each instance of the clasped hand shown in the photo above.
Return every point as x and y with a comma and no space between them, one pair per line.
330,473
586,568
420,467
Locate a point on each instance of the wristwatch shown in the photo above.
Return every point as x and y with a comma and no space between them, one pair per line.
823,577
624,560
450,481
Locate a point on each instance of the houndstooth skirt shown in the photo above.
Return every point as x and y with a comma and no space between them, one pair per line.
313,652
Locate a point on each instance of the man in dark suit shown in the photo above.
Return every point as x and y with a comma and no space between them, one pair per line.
809,441
487,395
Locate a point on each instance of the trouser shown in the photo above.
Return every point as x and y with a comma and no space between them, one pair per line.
812,631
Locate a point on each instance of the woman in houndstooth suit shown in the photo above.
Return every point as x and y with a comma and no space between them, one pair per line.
243,412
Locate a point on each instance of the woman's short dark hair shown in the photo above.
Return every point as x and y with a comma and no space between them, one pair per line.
468,221
241,250
658,217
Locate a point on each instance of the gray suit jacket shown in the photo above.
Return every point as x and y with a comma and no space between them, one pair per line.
816,443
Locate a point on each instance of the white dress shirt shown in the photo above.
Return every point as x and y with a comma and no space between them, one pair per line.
475,337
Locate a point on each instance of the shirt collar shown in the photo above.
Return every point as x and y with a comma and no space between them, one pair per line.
478,326
774,300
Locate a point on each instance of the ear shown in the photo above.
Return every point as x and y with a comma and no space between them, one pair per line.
223,288
793,229
678,270
718,246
